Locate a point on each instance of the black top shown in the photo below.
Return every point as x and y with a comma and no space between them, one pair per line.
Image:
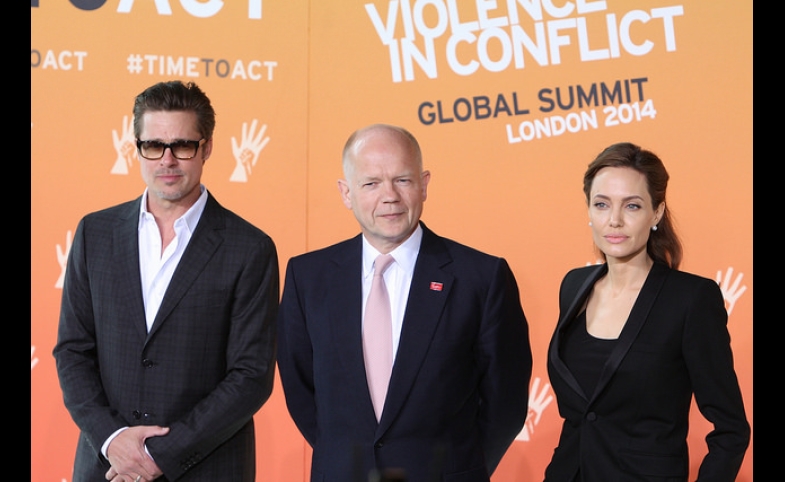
584,354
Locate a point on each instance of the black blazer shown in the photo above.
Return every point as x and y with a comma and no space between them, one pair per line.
459,388
207,364
674,345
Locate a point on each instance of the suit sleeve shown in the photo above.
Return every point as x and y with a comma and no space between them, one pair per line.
505,354
76,351
717,394
295,358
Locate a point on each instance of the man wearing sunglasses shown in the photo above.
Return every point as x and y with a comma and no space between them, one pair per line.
166,341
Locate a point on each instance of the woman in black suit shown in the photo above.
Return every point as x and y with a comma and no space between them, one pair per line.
636,339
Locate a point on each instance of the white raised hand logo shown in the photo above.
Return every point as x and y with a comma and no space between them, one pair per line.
33,358
731,292
246,152
125,145
62,258
538,400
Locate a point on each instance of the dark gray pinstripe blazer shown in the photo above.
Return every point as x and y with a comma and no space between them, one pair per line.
207,364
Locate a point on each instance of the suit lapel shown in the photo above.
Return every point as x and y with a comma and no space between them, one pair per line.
126,251
640,312
568,317
203,244
421,318
344,301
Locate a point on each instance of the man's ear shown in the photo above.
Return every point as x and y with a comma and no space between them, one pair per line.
425,178
207,149
343,188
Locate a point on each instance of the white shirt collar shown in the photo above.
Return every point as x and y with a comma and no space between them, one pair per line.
191,217
405,255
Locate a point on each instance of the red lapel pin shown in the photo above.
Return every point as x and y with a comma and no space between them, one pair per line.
436,286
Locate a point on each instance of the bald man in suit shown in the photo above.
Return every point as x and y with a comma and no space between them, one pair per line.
458,391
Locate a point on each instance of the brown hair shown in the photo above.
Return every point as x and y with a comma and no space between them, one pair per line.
176,96
664,245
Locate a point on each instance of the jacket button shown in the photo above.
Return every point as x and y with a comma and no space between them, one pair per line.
378,445
136,414
147,363
591,416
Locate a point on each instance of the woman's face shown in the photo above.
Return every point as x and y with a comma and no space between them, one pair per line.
621,213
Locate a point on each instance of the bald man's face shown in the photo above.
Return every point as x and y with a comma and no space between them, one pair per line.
385,188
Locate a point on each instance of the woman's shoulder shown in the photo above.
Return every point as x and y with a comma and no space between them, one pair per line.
583,272
687,278
575,277
686,285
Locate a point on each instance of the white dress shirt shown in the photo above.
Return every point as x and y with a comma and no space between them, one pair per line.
156,265
397,278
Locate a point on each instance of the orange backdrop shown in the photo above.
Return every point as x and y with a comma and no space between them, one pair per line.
509,99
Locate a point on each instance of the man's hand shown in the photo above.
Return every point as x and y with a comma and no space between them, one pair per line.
128,455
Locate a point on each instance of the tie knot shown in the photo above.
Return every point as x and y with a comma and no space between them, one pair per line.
383,261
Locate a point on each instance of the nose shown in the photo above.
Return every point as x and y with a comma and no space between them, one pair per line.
390,193
168,159
616,218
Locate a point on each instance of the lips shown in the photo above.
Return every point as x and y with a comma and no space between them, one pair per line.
615,238
169,179
168,176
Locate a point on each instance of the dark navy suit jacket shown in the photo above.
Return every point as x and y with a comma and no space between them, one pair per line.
459,388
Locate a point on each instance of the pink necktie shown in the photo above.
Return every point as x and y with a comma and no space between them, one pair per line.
377,335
